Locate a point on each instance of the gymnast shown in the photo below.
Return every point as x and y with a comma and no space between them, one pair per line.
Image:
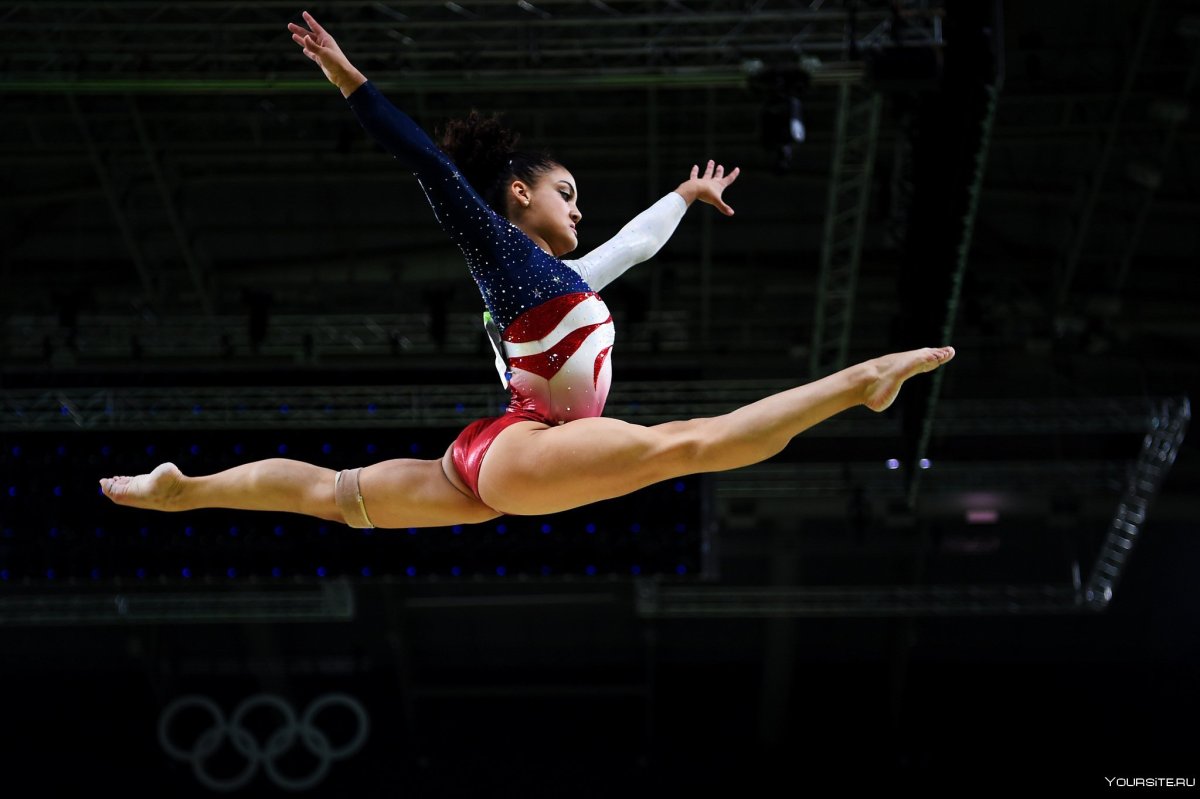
514,215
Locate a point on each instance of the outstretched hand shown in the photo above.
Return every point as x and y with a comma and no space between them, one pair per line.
320,46
709,186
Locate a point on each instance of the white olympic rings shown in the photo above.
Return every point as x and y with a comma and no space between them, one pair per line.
279,742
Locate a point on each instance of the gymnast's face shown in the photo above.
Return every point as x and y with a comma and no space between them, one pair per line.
547,211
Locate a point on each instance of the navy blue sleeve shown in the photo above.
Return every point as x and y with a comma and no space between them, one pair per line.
462,213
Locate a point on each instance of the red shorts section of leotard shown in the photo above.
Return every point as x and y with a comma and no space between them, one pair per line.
473,442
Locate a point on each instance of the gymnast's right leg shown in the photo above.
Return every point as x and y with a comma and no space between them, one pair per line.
396,493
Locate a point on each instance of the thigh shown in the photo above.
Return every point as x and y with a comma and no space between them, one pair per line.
416,493
533,469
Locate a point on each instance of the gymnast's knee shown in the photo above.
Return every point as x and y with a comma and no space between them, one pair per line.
347,496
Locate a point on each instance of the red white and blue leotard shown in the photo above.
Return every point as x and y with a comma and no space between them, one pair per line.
557,333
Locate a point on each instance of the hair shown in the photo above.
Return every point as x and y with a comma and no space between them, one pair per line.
484,150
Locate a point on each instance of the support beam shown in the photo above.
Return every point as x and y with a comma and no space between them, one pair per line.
182,240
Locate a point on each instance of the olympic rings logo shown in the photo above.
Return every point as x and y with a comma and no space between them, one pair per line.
277,743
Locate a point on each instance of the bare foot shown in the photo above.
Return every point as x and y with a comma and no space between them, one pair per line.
894,369
156,491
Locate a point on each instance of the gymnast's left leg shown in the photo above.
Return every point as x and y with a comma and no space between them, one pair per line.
402,492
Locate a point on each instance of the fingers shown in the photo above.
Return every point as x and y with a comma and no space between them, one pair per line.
695,171
312,23
732,176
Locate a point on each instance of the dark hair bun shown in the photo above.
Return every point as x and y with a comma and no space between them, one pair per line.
484,150
480,147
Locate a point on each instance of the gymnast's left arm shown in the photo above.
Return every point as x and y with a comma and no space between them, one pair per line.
646,233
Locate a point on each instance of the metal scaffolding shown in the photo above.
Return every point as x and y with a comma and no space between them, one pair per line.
855,137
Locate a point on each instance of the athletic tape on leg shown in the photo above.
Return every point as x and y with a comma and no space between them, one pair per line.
349,499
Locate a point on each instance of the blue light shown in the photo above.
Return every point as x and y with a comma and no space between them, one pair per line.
278,531
320,571
62,450
58,491
276,571
284,408
186,572
12,491
144,531
680,527
366,571
591,570
412,531
591,529
8,533
460,408
63,411
187,531
4,574
282,449
237,449
328,408
233,531
16,452
105,451
323,530
546,571
924,463
371,448
231,572
635,528
454,570
681,569
196,409
893,464
545,528
141,574
49,574
54,532
372,409
149,449
456,529
501,529
679,486
99,532
414,448
411,571
635,569
194,449
327,448
95,574
500,570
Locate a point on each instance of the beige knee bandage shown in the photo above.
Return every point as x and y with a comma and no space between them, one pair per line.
349,499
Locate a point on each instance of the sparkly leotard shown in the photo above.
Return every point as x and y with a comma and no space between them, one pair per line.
557,334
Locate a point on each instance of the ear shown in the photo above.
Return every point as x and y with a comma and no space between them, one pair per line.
520,191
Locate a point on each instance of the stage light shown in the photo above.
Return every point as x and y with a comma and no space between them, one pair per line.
545,528
54,532
196,409
140,574
681,569
99,532
195,449
284,409
320,571
4,574
327,448
679,486
186,572
187,531
366,571
500,570
412,531
231,572
411,571
635,528
501,529
680,527
455,571
590,529
58,491
233,531
456,529
893,464
278,531
95,574
282,449
591,570
372,409
635,569
50,574
276,571
924,463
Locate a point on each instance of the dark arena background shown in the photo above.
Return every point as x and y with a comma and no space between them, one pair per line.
991,587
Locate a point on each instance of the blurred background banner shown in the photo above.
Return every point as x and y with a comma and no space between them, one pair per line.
205,260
